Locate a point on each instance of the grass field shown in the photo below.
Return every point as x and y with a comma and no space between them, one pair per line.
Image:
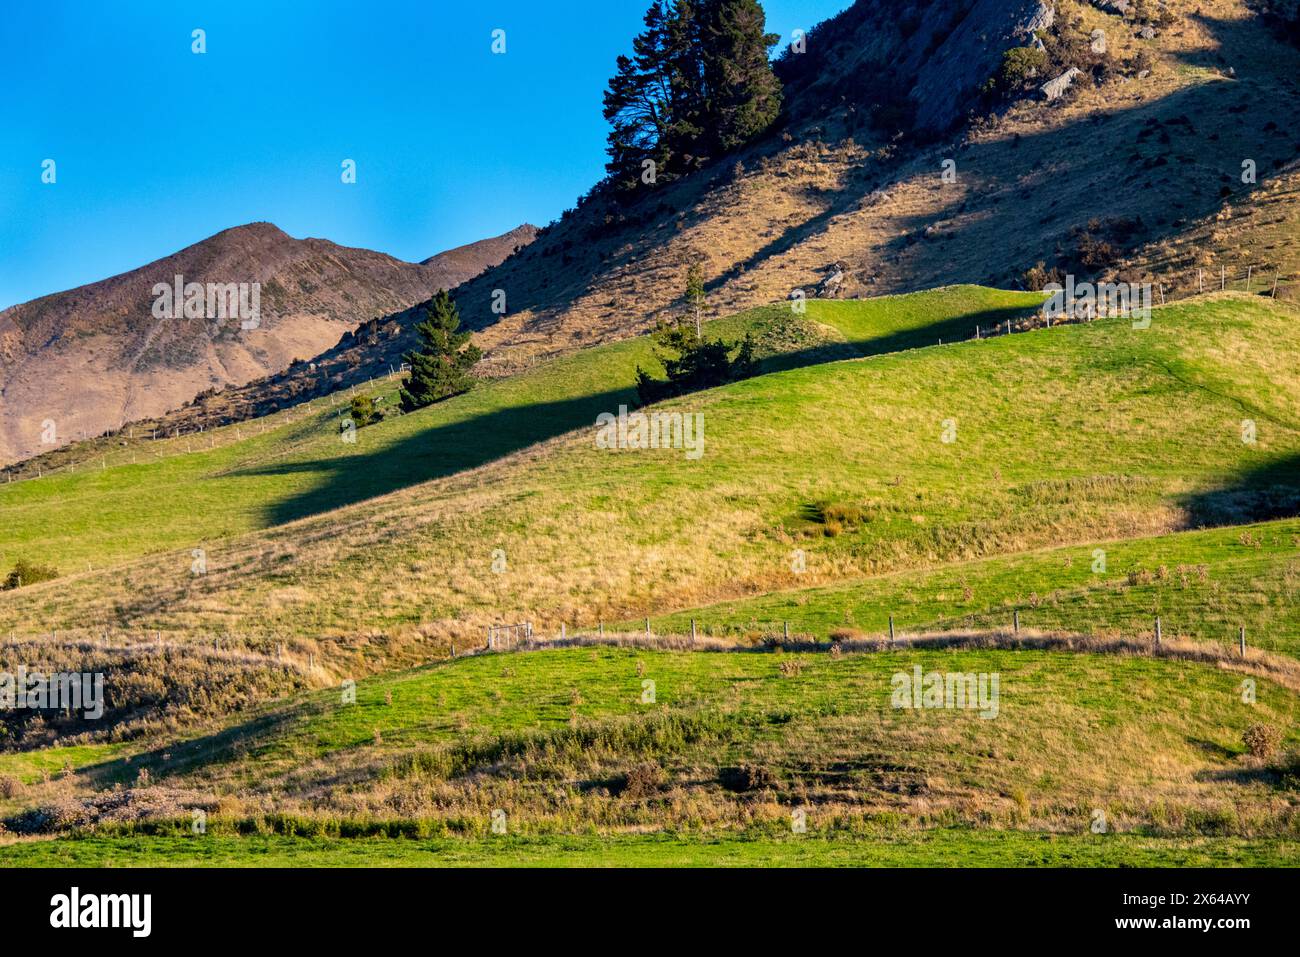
868,472
564,742
1203,584
953,848
112,510
1074,434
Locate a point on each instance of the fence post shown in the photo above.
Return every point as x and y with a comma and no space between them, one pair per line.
1015,620
1275,277
1223,278
563,631
785,630
1200,279
647,627
1241,640
1158,635
891,629
600,626
1250,271
692,631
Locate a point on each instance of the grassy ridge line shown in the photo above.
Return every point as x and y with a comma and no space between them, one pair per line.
948,848
1156,742
1203,584
1073,433
102,515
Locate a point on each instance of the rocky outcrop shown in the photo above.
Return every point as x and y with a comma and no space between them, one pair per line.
950,78
1055,89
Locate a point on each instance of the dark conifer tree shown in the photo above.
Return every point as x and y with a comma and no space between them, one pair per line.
698,85
440,366
744,93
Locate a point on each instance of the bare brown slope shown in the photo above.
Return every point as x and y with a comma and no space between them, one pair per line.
84,361
1141,156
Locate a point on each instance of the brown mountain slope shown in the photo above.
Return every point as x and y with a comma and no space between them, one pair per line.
1146,149
84,361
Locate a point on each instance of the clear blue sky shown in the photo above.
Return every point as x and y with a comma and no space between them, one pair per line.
157,147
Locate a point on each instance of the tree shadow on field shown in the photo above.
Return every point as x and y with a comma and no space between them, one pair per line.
433,453
1263,493
448,448
181,757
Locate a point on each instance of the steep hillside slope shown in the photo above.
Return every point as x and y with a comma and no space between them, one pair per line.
732,743
1136,172
80,362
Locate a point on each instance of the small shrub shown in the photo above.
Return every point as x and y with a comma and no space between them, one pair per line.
747,778
364,411
791,668
1287,769
639,782
28,573
1019,66
1039,276
1261,740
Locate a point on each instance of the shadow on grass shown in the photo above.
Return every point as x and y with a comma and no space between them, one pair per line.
185,756
1266,492
465,444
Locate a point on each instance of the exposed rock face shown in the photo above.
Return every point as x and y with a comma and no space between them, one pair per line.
1118,7
971,53
829,287
1055,89
1097,41
937,53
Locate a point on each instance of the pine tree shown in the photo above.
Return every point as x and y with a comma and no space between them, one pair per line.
637,103
698,85
745,95
440,366
692,362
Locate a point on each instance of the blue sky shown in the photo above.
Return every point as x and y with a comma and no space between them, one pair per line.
156,147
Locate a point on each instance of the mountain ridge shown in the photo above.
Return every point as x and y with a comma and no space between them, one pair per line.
84,361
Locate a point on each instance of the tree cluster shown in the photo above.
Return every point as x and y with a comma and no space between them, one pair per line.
697,86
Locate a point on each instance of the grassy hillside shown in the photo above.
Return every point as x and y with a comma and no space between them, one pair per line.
563,742
947,485
182,492
1073,434
1203,585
